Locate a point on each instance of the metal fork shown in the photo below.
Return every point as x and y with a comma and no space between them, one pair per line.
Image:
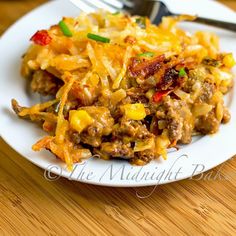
155,10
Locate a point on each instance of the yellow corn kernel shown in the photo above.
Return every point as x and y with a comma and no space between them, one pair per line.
79,120
149,94
229,60
134,111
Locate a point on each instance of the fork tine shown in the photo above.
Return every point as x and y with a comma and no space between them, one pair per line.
100,5
82,5
128,3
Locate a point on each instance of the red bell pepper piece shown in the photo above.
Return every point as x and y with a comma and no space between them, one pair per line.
157,97
41,37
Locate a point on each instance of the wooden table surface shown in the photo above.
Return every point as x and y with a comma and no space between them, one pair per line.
31,205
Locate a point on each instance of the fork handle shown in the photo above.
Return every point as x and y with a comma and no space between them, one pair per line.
217,23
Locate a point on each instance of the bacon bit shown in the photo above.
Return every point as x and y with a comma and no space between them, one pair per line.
41,37
130,39
169,80
157,97
147,67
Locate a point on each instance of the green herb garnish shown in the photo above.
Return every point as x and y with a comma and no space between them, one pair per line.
98,38
182,72
141,21
146,54
65,29
116,13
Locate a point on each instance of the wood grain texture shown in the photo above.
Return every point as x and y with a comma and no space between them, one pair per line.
31,205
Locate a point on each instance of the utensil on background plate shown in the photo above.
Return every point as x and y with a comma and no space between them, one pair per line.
154,10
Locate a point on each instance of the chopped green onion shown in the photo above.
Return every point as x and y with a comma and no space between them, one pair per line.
146,54
98,38
116,13
182,72
65,29
141,21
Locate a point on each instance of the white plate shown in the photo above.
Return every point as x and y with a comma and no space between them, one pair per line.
207,152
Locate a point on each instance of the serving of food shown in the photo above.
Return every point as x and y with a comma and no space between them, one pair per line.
120,87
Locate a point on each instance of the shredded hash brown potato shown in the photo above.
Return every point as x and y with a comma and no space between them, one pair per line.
122,87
